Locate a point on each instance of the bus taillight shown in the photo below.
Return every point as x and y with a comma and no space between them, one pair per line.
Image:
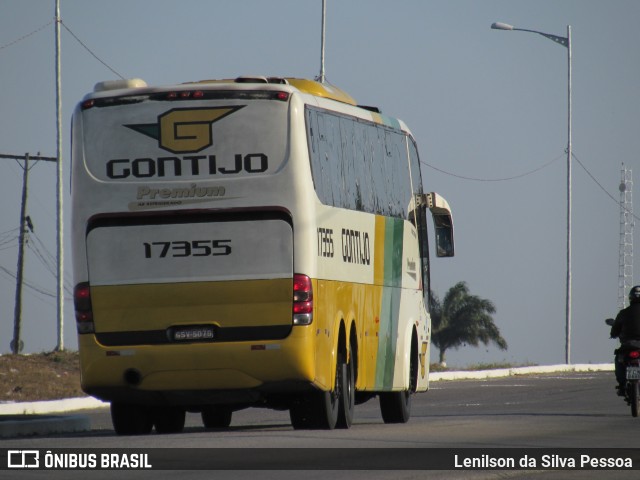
84,310
302,300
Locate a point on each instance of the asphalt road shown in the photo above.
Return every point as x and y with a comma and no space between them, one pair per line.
554,411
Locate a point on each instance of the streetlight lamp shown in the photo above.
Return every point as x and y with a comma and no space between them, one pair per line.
566,42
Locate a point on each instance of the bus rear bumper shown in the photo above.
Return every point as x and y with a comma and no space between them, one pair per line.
198,373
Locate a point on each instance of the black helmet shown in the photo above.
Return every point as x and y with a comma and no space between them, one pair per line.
634,294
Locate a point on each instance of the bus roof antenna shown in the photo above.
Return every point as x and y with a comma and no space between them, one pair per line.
321,77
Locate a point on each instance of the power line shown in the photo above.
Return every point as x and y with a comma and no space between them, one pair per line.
2,234
6,241
504,179
599,184
9,236
28,284
9,247
76,38
89,50
24,37
47,259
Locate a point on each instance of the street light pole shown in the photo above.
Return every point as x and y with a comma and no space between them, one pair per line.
59,188
569,202
321,78
566,42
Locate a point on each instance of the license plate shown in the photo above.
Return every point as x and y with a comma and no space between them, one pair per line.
193,334
633,373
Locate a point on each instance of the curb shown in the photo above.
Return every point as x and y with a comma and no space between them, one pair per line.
510,372
51,406
22,426
33,418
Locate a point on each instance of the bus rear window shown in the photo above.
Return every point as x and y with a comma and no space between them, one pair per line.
159,141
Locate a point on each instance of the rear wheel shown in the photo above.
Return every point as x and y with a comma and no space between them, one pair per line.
396,406
218,416
315,410
302,412
169,419
347,394
319,409
327,411
130,419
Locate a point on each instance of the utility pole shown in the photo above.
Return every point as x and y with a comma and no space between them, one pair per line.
17,344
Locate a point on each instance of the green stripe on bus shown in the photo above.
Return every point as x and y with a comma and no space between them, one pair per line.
394,233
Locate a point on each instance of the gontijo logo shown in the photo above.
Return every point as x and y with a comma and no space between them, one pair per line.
184,130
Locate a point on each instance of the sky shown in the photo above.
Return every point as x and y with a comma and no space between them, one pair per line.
484,105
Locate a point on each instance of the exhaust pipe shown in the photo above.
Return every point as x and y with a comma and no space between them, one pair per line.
132,377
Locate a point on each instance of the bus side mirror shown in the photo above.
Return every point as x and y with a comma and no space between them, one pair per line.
443,222
444,235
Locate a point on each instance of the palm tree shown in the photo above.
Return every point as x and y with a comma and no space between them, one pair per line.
462,319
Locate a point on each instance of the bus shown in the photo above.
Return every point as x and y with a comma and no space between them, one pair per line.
253,242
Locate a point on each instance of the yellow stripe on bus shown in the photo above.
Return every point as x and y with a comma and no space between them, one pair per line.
246,303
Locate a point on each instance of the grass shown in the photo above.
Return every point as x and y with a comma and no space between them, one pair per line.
436,367
41,376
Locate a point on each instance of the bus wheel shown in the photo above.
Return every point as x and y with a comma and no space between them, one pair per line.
318,410
169,419
315,411
216,416
131,419
301,412
395,406
347,394
328,403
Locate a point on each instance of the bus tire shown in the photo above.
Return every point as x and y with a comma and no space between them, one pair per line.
328,403
347,394
216,416
301,412
395,406
169,419
319,409
313,411
130,419
326,415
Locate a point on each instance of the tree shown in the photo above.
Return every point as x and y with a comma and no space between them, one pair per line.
462,319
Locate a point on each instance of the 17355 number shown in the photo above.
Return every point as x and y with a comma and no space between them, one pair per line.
185,248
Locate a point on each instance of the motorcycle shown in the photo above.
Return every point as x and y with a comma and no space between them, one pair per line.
629,355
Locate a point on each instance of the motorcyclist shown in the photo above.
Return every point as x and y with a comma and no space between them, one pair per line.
626,327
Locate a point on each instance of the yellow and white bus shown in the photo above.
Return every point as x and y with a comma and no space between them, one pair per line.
255,242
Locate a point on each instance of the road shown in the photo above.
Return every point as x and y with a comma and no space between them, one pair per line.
554,411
